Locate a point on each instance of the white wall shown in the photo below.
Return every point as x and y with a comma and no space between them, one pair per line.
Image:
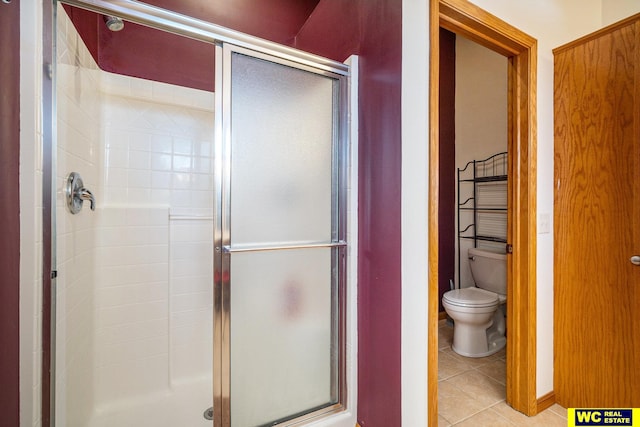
30,213
481,102
414,210
481,129
615,10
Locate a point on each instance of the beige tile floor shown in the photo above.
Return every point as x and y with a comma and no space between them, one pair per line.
471,391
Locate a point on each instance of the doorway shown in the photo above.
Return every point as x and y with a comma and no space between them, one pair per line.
468,20
472,215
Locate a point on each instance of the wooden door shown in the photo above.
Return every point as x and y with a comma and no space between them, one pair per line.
597,219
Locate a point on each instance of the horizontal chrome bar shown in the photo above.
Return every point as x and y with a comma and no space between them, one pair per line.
275,247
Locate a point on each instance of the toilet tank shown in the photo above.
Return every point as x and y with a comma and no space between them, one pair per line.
489,270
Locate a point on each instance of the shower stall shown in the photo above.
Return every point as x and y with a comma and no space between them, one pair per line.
199,232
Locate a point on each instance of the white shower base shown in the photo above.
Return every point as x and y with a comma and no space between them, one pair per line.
180,406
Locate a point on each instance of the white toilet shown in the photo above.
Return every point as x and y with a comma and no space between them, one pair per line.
479,312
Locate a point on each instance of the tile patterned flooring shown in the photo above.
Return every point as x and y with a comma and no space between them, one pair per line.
471,391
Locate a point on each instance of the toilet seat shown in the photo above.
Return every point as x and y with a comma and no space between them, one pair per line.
471,297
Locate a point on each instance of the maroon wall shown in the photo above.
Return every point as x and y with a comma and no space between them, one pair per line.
141,52
9,213
275,20
447,202
157,55
379,308
372,28
332,30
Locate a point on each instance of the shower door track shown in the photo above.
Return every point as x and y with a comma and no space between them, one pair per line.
175,23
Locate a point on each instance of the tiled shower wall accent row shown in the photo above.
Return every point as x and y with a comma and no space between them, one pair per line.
135,287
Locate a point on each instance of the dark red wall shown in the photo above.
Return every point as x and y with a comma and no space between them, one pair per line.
379,399
275,20
141,52
157,55
332,30
447,203
9,213
373,29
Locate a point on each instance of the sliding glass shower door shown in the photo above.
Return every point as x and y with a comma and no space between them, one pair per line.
280,240
208,266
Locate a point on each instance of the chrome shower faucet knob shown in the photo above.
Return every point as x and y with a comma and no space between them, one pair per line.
76,194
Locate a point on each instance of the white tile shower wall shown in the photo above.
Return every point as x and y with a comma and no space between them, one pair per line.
78,139
191,294
132,288
158,152
158,145
128,332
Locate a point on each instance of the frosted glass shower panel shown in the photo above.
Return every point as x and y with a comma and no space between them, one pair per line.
282,122
282,335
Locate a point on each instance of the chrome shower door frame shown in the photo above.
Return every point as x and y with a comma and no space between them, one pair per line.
223,244
225,40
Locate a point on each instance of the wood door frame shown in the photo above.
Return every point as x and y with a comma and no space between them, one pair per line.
474,23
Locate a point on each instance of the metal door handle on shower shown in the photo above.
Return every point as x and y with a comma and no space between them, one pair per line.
77,194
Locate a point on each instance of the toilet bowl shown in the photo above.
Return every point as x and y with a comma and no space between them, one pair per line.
479,312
